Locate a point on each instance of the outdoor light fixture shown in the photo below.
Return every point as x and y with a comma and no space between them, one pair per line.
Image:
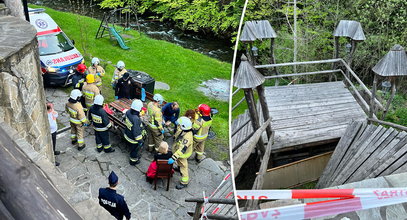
255,51
348,47
386,85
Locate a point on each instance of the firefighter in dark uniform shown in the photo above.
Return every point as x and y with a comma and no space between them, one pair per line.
101,124
114,203
133,132
78,79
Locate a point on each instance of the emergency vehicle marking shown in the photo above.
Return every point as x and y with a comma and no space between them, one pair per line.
41,23
66,58
109,203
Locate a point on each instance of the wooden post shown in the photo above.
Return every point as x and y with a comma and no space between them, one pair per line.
264,108
197,213
254,117
372,104
393,93
272,60
336,56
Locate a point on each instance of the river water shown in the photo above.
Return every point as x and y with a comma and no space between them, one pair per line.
217,48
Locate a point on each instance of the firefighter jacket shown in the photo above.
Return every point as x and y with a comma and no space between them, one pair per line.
156,117
78,79
201,128
99,118
184,144
76,113
98,72
126,88
117,74
114,203
89,92
134,127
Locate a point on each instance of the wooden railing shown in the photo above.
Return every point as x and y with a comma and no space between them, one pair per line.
200,202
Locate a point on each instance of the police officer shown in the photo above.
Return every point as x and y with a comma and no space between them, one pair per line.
114,203
101,124
118,73
201,127
90,90
133,131
97,71
183,149
77,118
155,123
79,77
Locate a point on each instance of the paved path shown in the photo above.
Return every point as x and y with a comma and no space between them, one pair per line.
88,171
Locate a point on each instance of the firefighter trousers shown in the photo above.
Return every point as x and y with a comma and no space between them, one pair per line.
183,166
102,140
135,151
155,137
199,147
77,131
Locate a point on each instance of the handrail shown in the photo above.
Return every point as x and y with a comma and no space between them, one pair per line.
238,103
240,128
303,74
297,63
199,203
241,157
400,127
361,83
236,91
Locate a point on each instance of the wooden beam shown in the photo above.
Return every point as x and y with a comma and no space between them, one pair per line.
247,148
361,83
236,91
238,103
397,126
254,117
303,74
297,63
362,100
372,104
264,108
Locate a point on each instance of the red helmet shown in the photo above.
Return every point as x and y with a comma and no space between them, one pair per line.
81,68
204,109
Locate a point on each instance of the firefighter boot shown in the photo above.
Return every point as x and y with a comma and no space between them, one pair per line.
181,186
81,147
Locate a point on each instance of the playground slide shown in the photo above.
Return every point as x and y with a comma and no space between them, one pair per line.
118,38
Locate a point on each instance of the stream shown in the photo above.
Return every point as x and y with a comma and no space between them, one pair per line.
217,48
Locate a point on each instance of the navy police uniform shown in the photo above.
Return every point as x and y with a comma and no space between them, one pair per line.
114,203
133,135
101,124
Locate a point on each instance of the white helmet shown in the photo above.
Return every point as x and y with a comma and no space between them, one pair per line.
185,123
98,100
95,60
137,105
120,64
158,98
75,94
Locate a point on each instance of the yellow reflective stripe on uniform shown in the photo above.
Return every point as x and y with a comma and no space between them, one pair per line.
88,94
129,139
75,121
80,141
128,123
99,146
96,118
196,126
200,136
72,112
83,119
199,153
104,128
107,146
99,83
185,179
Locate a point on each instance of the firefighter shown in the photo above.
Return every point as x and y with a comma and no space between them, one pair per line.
114,203
101,124
96,71
125,87
201,126
118,73
155,123
79,77
170,114
183,149
77,118
90,90
134,131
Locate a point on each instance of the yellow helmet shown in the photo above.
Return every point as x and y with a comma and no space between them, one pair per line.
90,78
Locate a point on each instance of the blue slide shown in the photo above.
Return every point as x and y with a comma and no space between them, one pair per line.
118,38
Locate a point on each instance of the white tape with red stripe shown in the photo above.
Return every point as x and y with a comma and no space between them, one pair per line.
348,200
213,193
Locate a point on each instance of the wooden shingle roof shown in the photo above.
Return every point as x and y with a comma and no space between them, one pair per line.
351,29
257,30
394,63
247,76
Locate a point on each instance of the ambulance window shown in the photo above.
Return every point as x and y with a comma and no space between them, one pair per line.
54,43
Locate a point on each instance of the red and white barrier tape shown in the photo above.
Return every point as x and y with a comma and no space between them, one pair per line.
213,193
349,200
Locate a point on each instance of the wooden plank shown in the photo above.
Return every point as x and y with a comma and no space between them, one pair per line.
297,63
340,151
396,160
296,173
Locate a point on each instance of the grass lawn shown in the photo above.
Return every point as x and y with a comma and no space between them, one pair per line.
181,68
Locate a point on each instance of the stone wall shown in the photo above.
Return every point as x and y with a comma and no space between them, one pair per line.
16,8
22,97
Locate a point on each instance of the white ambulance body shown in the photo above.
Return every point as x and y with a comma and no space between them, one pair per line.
58,55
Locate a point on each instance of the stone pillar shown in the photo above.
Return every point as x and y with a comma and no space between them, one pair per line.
16,8
22,96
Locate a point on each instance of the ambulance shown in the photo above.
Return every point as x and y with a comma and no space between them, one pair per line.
58,55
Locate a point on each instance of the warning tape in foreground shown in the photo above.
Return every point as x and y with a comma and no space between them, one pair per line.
348,200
